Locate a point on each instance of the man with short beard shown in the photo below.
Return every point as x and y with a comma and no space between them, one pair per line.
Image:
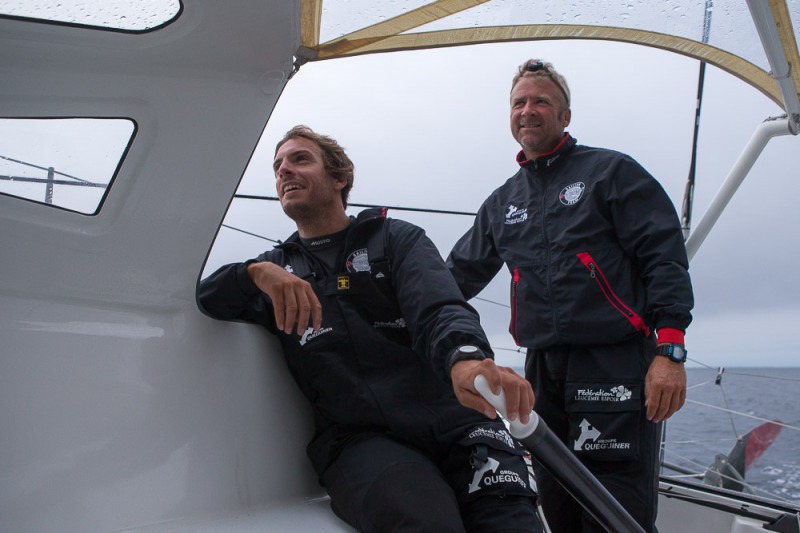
599,276
379,339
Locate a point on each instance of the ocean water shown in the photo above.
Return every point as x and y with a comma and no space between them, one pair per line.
716,414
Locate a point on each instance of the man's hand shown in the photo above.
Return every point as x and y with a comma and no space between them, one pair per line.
292,298
664,388
519,393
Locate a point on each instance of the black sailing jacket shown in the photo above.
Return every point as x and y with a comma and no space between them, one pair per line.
594,248
392,317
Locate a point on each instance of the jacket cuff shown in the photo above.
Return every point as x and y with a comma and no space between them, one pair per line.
244,281
458,355
670,336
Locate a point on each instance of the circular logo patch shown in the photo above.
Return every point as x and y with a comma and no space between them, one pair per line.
358,261
571,193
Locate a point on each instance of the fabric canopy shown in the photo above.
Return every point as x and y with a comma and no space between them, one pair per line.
723,35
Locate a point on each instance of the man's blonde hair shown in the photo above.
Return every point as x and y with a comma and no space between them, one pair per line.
536,68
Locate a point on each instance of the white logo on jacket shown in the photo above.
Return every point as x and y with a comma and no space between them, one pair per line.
514,215
501,435
589,440
310,334
588,432
618,393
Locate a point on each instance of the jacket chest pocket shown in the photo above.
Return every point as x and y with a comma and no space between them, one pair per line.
610,295
367,294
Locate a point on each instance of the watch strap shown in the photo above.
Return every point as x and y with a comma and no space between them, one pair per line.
463,353
674,351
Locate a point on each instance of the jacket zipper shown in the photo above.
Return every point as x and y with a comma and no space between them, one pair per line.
513,327
596,274
546,241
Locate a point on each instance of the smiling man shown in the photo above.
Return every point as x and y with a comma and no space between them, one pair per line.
539,113
599,278
379,339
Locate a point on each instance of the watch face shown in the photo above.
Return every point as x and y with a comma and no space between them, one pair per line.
468,349
675,352
678,353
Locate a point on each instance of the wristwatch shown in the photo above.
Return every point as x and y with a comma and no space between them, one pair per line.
675,352
468,351
464,352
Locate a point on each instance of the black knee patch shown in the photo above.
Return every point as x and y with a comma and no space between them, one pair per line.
499,466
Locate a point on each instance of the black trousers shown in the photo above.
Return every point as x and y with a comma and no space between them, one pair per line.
592,398
380,484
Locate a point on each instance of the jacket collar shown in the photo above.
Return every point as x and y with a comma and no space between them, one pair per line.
363,217
549,158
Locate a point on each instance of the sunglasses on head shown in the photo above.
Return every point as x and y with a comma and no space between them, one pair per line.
534,65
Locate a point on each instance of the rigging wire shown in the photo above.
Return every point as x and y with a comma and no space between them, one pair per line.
396,207
249,233
746,374
491,302
750,375
760,419
47,169
518,349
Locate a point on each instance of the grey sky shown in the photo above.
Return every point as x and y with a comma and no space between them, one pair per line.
87,149
430,129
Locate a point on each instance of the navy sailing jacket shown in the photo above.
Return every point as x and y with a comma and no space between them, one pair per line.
381,360
594,248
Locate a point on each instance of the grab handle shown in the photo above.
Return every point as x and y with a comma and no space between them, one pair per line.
517,429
